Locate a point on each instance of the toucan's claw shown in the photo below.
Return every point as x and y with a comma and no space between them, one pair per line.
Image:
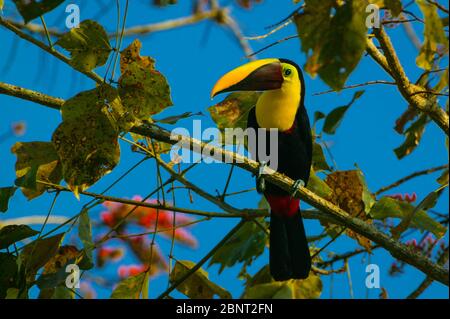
296,186
260,181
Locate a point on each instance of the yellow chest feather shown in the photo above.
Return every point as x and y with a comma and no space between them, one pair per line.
277,108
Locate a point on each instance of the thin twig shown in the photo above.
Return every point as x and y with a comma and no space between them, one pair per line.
272,44
356,86
48,49
260,37
409,177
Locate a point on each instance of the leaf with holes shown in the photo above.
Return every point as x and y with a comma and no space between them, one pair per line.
31,9
334,43
36,161
88,45
13,233
197,285
233,111
103,99
350,193
86,140
144,90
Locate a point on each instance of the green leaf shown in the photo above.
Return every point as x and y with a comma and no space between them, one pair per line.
29,180
144,91
1,4
36,161
318,116
319,163
318,186
197,285
390,207
434,34
12,293
335,117
163,3
37,253
413,136
334,43
427,203
443,178
5,195
13,233
31,9
86,140
129,288
85,234
88,45
8,273
262,286
243,247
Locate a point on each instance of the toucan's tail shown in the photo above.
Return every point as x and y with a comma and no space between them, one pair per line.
289,251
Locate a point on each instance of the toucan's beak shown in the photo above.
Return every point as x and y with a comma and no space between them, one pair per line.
260,75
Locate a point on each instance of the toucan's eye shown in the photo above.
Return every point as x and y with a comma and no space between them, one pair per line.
287,72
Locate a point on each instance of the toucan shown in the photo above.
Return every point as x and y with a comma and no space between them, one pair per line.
280,106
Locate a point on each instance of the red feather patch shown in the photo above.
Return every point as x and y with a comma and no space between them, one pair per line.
285,206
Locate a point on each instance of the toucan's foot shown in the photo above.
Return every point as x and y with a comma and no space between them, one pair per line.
296,186
260,181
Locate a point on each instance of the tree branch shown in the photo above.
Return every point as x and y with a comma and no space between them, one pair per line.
391,64
428,281
172,24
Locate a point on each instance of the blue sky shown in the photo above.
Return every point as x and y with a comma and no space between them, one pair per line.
192,58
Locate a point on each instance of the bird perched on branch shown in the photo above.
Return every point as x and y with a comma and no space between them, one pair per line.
281,107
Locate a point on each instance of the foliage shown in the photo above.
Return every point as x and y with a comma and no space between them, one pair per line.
337,41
